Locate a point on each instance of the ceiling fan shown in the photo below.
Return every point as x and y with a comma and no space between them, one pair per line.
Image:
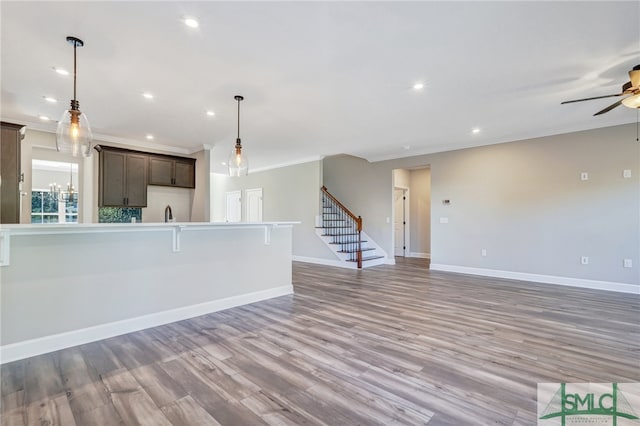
631,88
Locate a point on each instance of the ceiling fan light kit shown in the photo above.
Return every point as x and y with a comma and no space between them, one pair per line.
73,134
632,101
631,88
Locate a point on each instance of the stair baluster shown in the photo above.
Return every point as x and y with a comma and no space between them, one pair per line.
346,228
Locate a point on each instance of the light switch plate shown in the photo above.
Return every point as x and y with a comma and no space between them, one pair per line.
626,173
444,220
584,176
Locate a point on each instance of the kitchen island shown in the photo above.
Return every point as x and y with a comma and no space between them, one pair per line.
64,285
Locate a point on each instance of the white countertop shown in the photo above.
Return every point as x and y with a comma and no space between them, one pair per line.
175,228
55,228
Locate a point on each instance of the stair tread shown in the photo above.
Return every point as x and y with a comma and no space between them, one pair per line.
351,242
364,259
355,251
339,235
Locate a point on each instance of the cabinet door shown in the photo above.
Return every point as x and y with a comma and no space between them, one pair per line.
160,171
10,173
112,179
185,174
136,183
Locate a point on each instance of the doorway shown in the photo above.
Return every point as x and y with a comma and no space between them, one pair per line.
253,205
400,221
54,192
411,213
233,204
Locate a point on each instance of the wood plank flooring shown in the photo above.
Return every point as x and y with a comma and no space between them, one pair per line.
390,345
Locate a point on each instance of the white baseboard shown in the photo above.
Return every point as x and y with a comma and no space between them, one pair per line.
42,345
545,279
326,262
420,255
338,263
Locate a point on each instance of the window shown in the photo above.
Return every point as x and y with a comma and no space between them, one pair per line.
49,207
45,208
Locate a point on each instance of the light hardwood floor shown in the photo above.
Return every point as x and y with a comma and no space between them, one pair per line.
390,345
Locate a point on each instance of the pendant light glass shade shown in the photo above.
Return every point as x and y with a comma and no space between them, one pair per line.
74,135
238,162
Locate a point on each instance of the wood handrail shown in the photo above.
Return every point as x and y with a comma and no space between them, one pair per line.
356,219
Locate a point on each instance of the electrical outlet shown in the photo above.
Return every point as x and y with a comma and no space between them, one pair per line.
444,220
584,260
584,176
627,263
484,252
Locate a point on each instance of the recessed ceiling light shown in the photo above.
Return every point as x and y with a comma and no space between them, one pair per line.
190,22
61,71
147,95
50,99
149,136
475,130
223,163
418,86
211,113
407,147
44,118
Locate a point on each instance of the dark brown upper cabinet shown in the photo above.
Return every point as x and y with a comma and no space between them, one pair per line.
123,178
172,171
10,172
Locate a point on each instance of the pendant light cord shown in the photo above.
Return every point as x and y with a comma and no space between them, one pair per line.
75,45
238,118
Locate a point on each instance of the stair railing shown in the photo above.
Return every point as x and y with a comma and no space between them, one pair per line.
346,227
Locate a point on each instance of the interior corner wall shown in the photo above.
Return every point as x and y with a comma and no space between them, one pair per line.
200,196
523,202
402,178
289,194
367,190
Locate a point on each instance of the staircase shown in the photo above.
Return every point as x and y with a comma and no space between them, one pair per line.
342,231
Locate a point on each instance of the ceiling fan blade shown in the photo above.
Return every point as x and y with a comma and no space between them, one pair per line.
609,108
589,99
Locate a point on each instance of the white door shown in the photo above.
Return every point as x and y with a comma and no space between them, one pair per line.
399,221
254,204
234,206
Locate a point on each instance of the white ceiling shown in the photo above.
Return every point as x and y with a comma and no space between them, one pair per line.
321,78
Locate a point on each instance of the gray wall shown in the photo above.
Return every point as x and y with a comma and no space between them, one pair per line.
522,201
289,194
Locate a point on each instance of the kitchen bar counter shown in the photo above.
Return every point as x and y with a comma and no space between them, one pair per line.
64,285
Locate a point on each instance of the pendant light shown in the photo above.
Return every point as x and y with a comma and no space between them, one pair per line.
74,133
238,162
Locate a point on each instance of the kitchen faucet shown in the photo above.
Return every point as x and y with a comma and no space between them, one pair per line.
168,214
